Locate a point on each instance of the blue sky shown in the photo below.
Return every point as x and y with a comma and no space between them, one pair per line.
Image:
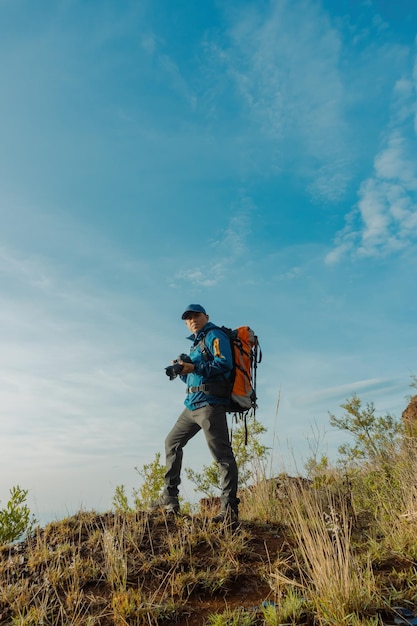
258,158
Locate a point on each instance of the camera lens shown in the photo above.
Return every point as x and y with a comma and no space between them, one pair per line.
170,372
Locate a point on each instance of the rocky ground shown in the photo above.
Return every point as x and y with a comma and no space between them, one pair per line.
129,569
109,569
90,564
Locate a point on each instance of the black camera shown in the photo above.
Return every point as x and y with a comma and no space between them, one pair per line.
172,371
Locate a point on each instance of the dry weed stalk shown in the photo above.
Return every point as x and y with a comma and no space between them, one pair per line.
329,573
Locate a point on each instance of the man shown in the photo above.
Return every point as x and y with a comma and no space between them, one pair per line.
206,377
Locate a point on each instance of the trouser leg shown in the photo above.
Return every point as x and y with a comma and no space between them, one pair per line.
184,429
213,421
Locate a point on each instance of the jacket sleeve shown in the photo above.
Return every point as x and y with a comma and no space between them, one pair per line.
220,362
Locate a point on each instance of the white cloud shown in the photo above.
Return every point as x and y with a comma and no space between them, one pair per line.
207,276
71,361
225,251
81,379
367,387
385,218
285,66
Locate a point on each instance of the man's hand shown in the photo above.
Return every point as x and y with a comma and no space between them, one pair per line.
187,368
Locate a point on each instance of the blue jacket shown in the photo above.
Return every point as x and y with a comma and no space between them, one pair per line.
215,368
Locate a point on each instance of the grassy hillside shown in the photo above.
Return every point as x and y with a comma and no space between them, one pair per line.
302,555
337,548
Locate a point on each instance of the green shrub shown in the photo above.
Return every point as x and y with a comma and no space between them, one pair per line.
372,466
153,480
16,518
249,456
375,438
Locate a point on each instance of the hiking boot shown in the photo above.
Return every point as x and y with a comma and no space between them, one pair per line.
227,516
169,504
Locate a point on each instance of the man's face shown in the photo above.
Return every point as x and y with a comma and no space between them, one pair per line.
196,321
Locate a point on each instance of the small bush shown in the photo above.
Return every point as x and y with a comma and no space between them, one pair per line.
16,518
251,456
153,480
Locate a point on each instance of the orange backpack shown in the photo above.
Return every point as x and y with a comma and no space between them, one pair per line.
246,355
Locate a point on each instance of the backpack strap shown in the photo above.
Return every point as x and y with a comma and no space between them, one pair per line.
220,388
203,345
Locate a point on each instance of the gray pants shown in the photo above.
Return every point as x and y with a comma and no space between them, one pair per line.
212,420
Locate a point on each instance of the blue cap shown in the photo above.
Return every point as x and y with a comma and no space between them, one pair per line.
193,308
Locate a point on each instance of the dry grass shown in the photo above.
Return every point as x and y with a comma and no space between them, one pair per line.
303,555
117,569
335,580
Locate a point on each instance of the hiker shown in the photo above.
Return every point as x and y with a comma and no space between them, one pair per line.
205,373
